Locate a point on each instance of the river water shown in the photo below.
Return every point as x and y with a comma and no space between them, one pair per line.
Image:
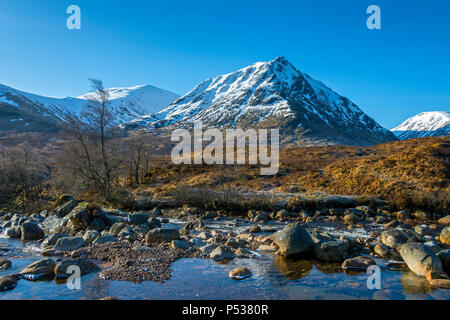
273,278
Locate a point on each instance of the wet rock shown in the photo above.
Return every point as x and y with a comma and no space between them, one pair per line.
424,230
31,231
194,225
69,244
255,229
7,283
387,253
293,240
180,244
66,268
162,235
5,264
360,263
445,220
433,275
104,239
14,232
395,238
433,246
78,253
282,215
222,252
392,224
445,236
240,273
38,270
331,251
138,218
51,240
420,259
204,235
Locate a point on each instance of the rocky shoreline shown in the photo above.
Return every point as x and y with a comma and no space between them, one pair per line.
142,246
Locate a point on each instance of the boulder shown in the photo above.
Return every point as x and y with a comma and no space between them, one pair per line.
51,240
395,238
65,269
69,244
360,263
7,283
445,236
41,269
209,248
162,235
52,223
31,231
420,259
293,240
222,252
331,251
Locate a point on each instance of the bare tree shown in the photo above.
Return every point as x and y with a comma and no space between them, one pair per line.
91,158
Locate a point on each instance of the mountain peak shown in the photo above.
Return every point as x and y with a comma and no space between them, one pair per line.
431,123
272,94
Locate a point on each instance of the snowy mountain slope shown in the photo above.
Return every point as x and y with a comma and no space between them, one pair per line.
426,124
25,111
271,94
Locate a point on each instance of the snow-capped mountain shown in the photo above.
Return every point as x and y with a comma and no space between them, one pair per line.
271,94
426,124
22,111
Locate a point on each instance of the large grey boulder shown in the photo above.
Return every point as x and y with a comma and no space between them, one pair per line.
51,240
138,218
69,244
31,231
420,259
293,240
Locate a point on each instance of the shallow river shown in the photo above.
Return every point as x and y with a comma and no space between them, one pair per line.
273,278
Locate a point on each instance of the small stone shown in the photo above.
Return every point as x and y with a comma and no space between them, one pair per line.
240,273
222,253
445,236
445,220
104,239
180,244
64,269
255,229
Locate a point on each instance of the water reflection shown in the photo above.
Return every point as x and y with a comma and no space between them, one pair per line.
413,284
293,269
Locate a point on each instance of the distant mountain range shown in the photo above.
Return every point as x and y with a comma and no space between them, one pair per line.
271,95
22,111
426,124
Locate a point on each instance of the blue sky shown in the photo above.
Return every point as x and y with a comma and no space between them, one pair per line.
392,73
